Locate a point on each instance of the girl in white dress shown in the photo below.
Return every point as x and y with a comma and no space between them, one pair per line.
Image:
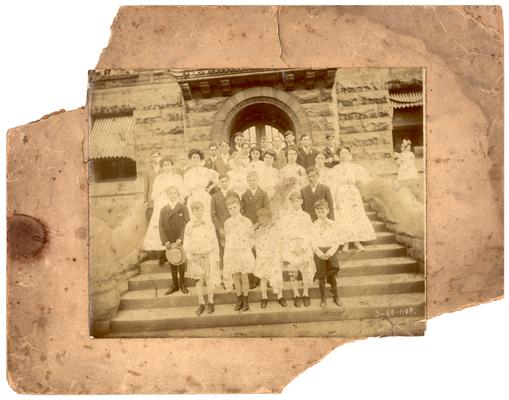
198,181
166,178
406,161
268,177
268,261
325,175
292,176
237,174
255,162
202,252
354,225
244,154
238,259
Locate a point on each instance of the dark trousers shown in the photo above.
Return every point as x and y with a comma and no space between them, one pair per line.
178,278
148,213
326,270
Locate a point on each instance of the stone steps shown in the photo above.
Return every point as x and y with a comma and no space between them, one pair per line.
393,326
374,266
382,250
356,308
348,287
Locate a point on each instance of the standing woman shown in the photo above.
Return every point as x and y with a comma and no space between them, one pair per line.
244,154
354,224
237,174
292,175
268,178
255,162
325,175
166,178
198,181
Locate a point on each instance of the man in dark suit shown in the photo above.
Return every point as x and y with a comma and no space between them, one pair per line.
253,198
331,152
280,160
316,191
214,161
172,220
306,155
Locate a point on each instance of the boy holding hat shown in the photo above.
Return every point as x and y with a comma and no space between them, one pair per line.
172,220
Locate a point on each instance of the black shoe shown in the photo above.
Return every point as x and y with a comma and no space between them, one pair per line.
239,304
210,308
263,304
306,301
282,301
245,304
297,301
184,289
339,304
323,303
200,309
171,290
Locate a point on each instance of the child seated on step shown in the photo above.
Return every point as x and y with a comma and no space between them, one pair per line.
202,252
325,243
268,261
172,220
296,250
238,259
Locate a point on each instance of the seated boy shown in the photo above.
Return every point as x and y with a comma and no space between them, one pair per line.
324,239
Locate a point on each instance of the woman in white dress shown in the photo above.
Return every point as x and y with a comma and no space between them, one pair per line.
237,174
406,161
166,178
198,181
255,162
354,224
325,175
268,178
292,177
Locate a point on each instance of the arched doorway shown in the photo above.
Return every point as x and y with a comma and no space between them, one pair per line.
258,109
260,120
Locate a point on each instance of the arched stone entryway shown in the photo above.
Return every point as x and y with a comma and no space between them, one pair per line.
268,105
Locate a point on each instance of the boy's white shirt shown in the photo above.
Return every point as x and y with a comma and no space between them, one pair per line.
317,237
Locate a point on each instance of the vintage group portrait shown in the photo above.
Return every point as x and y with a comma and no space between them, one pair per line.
257,202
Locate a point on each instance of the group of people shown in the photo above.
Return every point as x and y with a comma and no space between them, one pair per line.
245,215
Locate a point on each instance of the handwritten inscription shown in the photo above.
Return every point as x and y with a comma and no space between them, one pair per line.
396,312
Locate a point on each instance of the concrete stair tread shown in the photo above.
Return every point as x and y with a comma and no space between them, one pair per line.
376,261
399,301
342,281
401,326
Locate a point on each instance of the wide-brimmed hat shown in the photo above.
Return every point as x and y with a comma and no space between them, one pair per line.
175,254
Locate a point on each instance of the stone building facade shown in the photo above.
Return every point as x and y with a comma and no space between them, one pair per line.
179,110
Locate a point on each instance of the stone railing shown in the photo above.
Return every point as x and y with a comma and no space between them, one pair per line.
402,212
113,260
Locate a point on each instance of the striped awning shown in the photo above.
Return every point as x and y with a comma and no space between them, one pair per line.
112,137
405,99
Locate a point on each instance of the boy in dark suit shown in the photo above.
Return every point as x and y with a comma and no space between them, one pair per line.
172,221
331,152
316,191
306,155
215,161
253,199
218,210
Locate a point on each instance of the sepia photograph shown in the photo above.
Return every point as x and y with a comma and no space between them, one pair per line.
257,202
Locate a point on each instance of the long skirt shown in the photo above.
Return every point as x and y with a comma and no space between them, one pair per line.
354,224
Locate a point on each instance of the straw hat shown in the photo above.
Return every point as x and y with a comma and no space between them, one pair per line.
175,254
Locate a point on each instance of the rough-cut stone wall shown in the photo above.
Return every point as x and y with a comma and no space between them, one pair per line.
199,117
319,108
364,112
157,107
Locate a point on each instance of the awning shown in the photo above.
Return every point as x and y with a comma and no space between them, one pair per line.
112,137
405,99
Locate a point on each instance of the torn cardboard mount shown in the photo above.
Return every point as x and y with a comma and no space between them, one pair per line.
49,350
